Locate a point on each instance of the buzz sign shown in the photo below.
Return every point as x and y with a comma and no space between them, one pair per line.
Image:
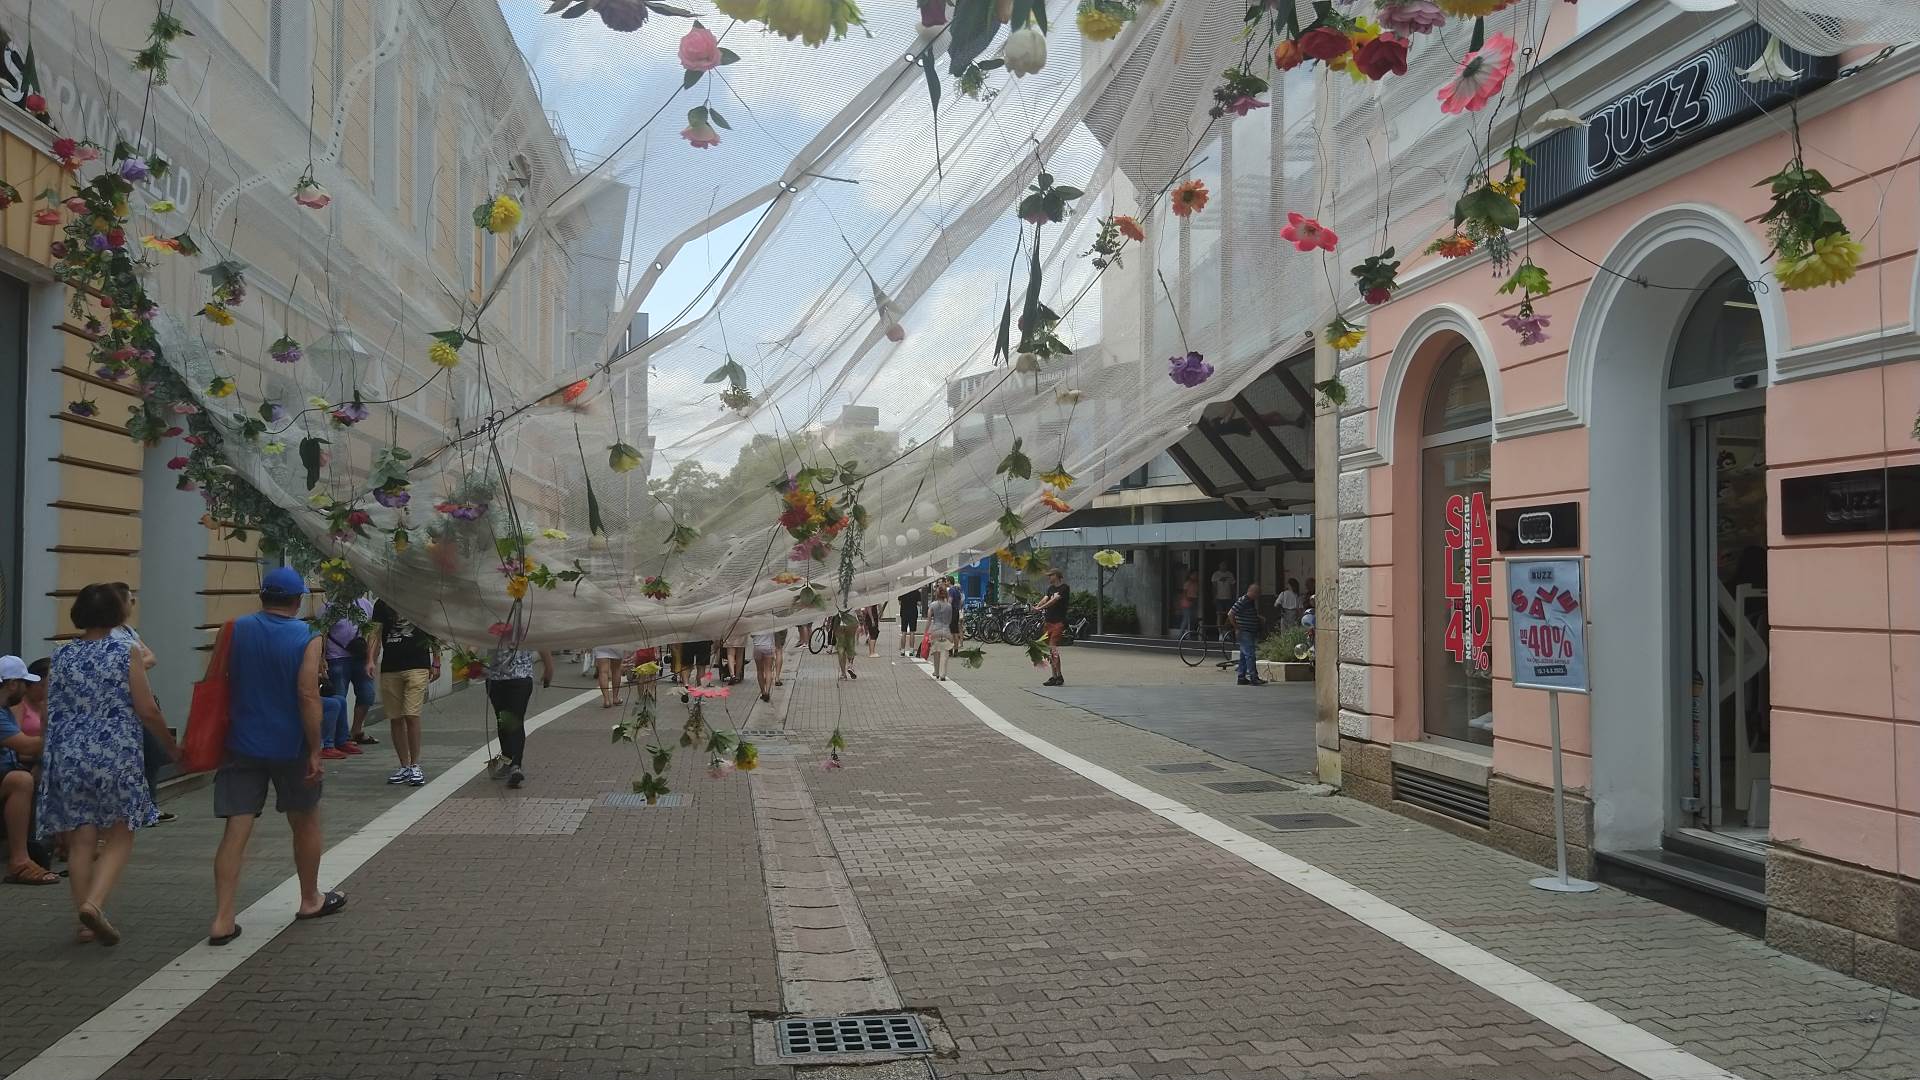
1547,616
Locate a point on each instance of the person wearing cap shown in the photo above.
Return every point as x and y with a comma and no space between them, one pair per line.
273,737
94,785
16,776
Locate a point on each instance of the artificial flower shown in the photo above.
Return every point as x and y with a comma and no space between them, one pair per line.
656,588
348,413
310,194
503,214
177,463
699,130
1771,67
1343,335
161,206
1471,9
1129,228
622,458
942,530
1411,16
1532,328
1482,74
743,10
933,14
1069,396
1512,187
517,586
1108,558
34,103
443,355
274,449
1287,55
1243,105
1830,261
1382,56
700,49
462,511
284,350
500,629
1452,246
185,408
1325,43
85,407
46,216
1025,51
1190,370
217,314
1052,501
810,20
160,243
787,577
1101,20
133,169
1557,120
1190,197
552,534
392,495
221,386
1058,476
401,542
1305,233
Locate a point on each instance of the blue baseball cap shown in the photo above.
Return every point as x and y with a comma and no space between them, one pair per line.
283,583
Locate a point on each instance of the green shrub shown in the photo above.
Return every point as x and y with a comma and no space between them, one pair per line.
1281,644
1120,618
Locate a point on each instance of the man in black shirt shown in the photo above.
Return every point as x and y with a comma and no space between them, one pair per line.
909,620
1054,605
406,657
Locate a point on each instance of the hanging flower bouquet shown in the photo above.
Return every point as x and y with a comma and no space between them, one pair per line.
1102,20
1376,277
1808,234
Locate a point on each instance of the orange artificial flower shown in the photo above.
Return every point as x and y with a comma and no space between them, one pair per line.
1129,228
1052,501
1453,246
1190,198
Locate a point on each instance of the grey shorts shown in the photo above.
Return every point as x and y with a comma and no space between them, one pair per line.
240,787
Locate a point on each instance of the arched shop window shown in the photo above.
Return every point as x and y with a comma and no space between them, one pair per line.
1456,563
1723,335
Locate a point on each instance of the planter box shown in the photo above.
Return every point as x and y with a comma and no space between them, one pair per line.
1285,671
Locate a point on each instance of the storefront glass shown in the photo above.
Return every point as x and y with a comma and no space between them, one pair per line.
1457,553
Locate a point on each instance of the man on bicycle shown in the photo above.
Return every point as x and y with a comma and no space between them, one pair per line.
1054,607
1245,614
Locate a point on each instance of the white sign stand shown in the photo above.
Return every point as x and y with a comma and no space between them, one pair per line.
1548,621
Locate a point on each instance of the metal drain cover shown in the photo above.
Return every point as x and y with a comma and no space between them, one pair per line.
887,1033
1248,787
1295,822
626,800
1186,767
767,734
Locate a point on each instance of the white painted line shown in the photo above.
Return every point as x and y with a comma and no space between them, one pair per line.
1607,1034
88,1051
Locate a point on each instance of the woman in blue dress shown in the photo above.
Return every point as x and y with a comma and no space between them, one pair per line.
95,788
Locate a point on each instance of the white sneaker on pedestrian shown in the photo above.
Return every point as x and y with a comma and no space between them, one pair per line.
400,775
516,776
416,776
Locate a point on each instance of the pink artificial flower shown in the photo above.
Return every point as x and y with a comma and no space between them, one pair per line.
177,464
1531,328
500,629
699,49
702,136
185,408
1481,76
1241,106
831,764
1306,234
1412,16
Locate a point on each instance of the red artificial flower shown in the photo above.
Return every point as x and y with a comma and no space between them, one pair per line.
46,216
195,440
1190,198
1325,43
1287,55
76,204
177,463
171,432
357,518
1305,233
35,103
1379,294
1129,228
64,148
1381,56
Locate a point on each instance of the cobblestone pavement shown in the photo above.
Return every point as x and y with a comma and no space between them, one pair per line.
1714,992
1042,925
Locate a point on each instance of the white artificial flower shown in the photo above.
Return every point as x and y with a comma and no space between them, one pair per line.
1558,120
1771,67
1025,51
1070,397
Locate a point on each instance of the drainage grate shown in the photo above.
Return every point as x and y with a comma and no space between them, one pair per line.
889,1033
1248,787
1441,795
767,734
1297,822
1186,767
626,800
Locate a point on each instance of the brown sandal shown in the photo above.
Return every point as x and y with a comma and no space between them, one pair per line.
93,919
31,873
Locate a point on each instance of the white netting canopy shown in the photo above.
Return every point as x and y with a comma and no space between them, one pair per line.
650,275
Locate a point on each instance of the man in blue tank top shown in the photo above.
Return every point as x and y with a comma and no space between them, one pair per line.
273,689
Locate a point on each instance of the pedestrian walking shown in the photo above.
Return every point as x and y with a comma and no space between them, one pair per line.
779,655
766,663
1054,606
1189,600
954,597
349,670
870,626
509,690
94,786
841,627
939,617
695,656
19,749
405,656
273,737
1245,616
606,671
909,620
736,658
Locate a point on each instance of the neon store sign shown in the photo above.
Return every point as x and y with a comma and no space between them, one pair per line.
1468,536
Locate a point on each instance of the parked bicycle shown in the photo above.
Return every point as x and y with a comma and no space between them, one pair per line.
1199,645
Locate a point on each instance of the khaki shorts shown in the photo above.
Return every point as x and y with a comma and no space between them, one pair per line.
404,693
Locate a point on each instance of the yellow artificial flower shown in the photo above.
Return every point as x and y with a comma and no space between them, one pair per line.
648,670
1097,23
274,448
743,10
1512,187
553,534
443,355
1471,9
517,586
159,243
320,499
400,542
163,206
942,530
1347,340
1108,558
217,314
221,386
504,216
1058,477
1830,261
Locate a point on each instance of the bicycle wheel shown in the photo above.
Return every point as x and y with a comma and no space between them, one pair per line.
817,641
1194,648
1032,626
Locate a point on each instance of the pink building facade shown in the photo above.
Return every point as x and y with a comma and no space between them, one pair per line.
1738,469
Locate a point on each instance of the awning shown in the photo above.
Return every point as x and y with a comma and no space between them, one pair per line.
1255,450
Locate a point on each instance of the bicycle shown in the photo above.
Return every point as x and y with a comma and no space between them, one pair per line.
1021,625
1196,645
818,640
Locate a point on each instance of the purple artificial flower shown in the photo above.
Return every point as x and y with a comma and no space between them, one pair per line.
1190,370
287,354
1408,17
99,242
275,413
1531,328
110,373
393,498
349,413
1241,106
133,170
57,249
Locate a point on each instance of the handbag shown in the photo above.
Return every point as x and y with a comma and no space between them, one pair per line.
205,744
926,644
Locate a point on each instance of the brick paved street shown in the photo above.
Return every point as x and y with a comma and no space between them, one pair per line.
1040,923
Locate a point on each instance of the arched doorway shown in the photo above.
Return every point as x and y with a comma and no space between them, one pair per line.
1456,480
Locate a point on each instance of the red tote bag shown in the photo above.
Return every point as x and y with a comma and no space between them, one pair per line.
205,744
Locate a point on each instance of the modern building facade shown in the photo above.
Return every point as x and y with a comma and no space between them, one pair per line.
1736,466
81,501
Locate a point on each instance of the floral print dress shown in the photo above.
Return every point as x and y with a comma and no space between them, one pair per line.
94,774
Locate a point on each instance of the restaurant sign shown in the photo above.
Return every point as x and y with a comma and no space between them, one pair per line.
1701,96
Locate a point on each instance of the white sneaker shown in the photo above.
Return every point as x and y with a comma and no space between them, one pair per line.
400,775
416,776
